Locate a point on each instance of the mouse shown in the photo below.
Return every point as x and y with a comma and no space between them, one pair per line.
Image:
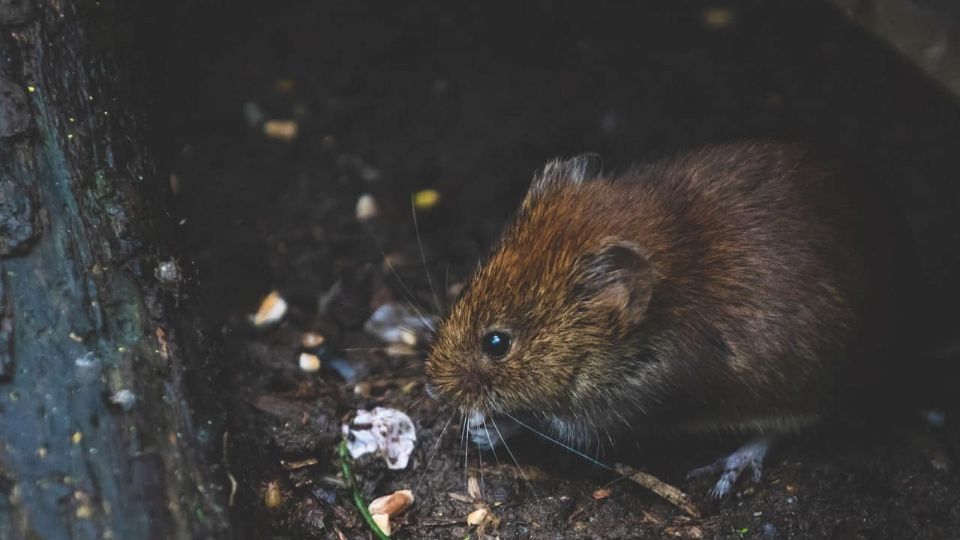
743,289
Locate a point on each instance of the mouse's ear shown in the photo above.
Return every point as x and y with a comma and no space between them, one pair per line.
559,172
618,276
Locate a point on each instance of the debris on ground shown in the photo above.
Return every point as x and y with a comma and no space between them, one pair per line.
311,340
396,324
272,309
483,519
387,432
382,521
309,363
426,199
393,504
283,130
272,496
602,493
366,207
384,508
671,494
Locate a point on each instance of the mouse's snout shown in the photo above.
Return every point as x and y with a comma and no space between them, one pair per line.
460,382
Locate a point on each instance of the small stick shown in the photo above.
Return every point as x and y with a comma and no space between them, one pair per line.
355,491
669,493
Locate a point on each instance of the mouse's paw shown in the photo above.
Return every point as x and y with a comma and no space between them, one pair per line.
748,457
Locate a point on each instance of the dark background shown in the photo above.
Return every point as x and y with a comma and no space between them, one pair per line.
470,98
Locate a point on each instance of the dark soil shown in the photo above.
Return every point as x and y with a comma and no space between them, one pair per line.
469,99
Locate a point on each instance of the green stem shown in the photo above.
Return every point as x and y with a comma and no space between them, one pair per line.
355,491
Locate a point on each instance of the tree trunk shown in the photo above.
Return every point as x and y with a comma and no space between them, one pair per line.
96,438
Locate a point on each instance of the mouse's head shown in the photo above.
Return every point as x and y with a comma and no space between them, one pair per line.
543,327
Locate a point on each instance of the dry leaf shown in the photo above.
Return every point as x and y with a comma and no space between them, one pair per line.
477,517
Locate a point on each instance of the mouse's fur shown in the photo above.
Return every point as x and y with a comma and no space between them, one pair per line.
726,289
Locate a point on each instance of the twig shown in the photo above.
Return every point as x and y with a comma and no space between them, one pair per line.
355,491
669,493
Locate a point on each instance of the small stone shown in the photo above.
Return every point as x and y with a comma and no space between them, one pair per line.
366,207
84,511
362,389
167,272
124,398
309,363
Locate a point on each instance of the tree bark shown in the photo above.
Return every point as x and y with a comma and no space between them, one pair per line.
96,438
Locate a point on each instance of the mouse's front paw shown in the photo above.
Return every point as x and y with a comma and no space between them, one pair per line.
748,457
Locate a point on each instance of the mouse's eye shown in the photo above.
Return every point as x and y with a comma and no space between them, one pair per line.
495,344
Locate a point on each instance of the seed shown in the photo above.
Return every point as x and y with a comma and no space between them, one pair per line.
392,504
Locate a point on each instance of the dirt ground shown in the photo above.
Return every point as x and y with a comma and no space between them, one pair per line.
469,99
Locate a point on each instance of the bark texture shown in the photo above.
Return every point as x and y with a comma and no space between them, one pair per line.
96,438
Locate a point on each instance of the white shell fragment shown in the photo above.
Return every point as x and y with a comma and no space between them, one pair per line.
387,432
392,504
394,323
272,308
309,363
366,207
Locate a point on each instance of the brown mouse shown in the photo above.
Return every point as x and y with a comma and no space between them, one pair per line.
738,288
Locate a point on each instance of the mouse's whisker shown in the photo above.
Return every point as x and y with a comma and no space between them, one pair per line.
562,445
423,257
433,453
515,462
393,270
480,457
466,449
437,411
490,441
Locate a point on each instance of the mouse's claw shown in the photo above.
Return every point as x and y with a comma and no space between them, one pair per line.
731,467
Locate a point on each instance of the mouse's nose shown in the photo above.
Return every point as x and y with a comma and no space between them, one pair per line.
474,384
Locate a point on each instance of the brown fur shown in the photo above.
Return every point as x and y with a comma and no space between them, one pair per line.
725,289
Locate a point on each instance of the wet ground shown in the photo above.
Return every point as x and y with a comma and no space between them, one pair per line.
469,99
